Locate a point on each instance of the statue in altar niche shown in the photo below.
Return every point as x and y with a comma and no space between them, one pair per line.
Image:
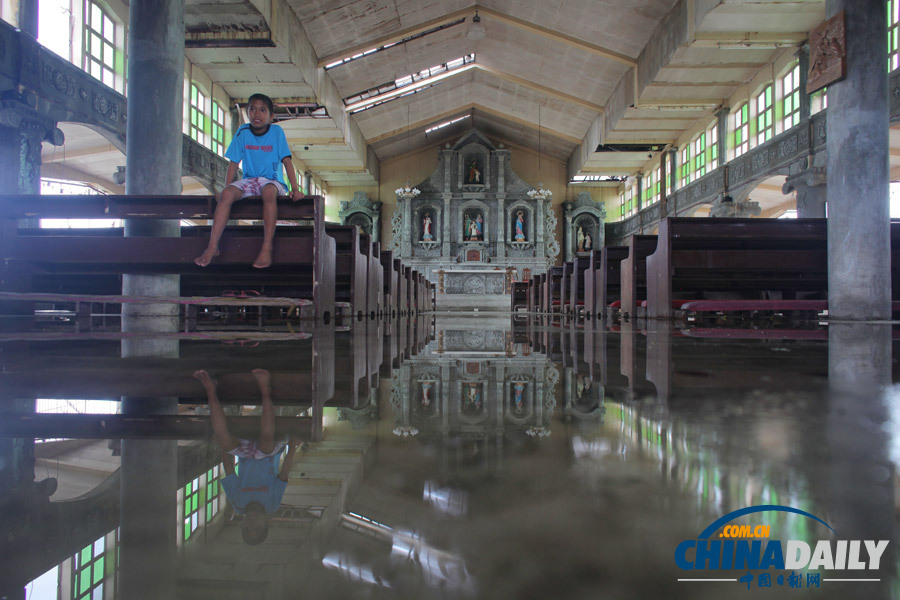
584,238
519,225
474,173
473,226
427,236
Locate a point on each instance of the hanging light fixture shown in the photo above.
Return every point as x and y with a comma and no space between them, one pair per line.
476,29
540,193
406,192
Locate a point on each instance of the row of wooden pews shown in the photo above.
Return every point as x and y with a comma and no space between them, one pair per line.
701,266
325,271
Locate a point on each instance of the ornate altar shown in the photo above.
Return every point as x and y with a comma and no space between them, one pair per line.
473,213
584,226
363,212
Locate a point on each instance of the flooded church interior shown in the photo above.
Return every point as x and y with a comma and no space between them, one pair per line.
449,299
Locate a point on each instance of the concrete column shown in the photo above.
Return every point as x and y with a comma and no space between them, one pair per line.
803,58
722,133
673,170
859,473
639,191
811,191
153,143
149,513
859,277
153,166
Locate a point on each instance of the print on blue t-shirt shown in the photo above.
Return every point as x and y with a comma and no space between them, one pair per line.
259,155
256,480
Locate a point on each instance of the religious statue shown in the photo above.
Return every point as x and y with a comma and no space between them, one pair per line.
426,393
520,227
472,399
426,229
584,239
474,228
518,389
474,174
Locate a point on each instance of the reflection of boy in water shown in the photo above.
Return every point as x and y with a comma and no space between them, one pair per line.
256,488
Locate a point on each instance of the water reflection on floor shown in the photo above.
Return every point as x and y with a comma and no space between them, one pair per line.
476,457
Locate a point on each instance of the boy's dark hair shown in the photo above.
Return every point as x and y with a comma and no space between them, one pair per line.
254,534
255,526
263,98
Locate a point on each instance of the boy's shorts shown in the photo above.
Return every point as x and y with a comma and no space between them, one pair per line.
247,449
253,186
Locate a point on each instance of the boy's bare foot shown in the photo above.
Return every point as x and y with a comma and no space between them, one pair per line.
203,377
264,260
263,378
206,258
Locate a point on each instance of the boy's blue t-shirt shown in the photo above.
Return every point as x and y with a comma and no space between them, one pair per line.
256,481
259,155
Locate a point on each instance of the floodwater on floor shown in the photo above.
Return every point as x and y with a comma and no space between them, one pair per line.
454,457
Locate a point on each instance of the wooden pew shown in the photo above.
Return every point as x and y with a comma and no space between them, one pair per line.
391,282
403,288
307,256
519,296
375,286
590,274
538,287
564,285
608,285
634,272
743,258
351,267
410,299
577,287
553,294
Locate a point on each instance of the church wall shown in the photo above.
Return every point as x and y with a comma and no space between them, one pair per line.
415,166
336,195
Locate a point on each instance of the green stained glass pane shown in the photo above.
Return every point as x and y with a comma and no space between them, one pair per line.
98,570
194,504
187,529
744,113
85,556
84,579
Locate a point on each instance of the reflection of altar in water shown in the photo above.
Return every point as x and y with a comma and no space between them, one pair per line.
485,392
